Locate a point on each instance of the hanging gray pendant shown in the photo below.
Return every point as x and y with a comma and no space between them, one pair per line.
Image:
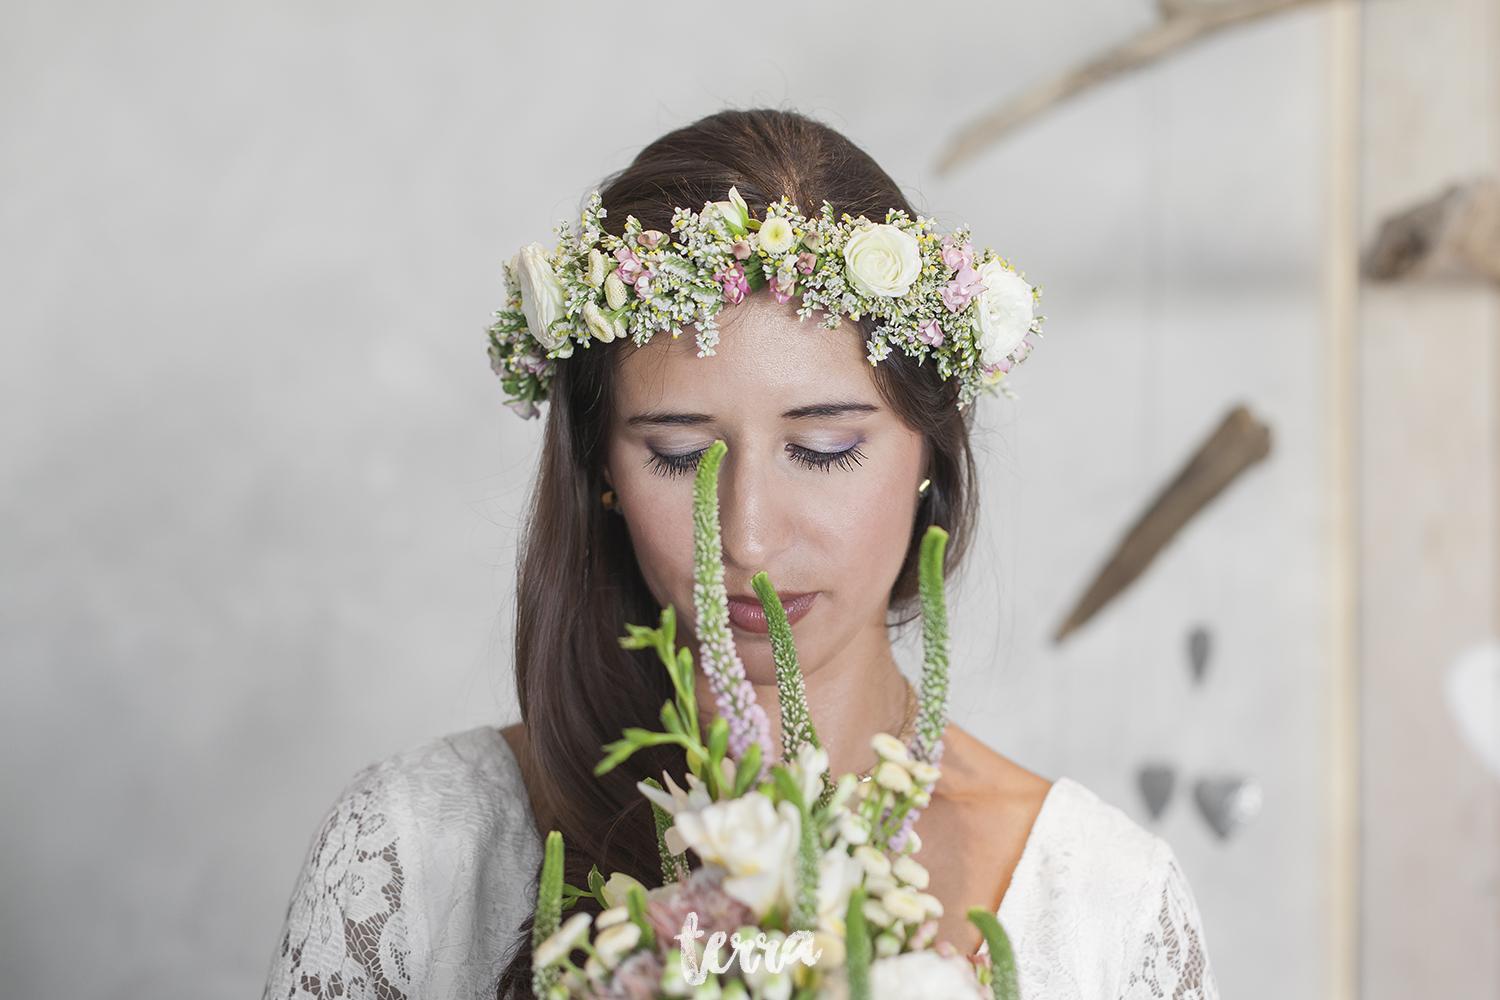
1228,803
1200,645
1156,781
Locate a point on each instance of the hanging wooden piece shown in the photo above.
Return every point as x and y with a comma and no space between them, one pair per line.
1238,443
1183,22
1454,236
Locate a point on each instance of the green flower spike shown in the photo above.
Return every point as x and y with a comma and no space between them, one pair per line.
548,911
932,715
1002,961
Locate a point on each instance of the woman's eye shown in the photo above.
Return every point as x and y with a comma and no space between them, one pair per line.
826,460
673,466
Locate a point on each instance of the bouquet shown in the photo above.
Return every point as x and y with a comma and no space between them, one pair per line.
807,887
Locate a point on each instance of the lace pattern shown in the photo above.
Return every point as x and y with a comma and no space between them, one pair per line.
1171,960
345,936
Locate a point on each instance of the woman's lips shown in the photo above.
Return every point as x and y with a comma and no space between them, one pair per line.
746,615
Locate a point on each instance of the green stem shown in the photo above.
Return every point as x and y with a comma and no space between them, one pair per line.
1002,960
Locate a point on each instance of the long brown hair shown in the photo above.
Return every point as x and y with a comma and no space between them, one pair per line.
578,582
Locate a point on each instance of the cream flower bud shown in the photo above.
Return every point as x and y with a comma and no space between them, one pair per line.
615,290
734,212
893,776
776,236
597,268
908,870
930,903
875,863
813,241
904,905
618,887
923,772
879,885
613,915
913,842
854,829
887,945
890,748
600,325
562,941
541,294
832,948
876,914
614,943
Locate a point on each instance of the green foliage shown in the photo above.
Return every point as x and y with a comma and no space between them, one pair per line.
932,713
548,908
635,901
797,728
857,947
1002,960
672,865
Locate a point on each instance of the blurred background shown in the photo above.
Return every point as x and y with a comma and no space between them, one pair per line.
259,495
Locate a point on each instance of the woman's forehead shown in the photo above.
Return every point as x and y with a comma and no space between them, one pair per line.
766,357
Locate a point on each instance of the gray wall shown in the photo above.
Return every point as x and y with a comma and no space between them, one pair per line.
259,496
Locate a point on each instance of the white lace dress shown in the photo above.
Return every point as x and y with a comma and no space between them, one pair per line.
418,881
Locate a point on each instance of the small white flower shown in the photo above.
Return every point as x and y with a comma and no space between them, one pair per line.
562,941
893,776
922,975
877,914
813,761
776,236
890,748
873,862
614,943
854,829
615,290
913,842
832,947
618,887
908,870
838,874
882,261
610,917
924,772
904,905
879,885
1004,312
931,904
886,945
597,266
541,294
599,324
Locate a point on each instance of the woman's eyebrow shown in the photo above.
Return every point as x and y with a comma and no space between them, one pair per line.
659,419
829,410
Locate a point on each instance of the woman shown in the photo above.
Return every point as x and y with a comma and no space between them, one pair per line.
844,447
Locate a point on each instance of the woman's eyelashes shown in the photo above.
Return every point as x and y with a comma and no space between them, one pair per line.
671,466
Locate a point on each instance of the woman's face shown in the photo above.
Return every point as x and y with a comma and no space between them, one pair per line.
818,488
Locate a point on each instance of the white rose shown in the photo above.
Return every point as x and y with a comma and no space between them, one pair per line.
1005,311
883,261
922,975
753,841
541,294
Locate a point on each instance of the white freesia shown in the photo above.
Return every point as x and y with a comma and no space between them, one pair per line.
541,294
562,941
734,212
812,761
922,975
1005,311
753,840
838,874
883,261
618,887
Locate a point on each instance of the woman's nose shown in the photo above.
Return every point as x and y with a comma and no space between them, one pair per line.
754,512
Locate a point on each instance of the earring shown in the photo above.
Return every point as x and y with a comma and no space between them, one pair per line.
610,502
922,490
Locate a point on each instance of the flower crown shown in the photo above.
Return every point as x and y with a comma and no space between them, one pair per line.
931,296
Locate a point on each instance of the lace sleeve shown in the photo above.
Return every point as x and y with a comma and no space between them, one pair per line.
1170,959
346,935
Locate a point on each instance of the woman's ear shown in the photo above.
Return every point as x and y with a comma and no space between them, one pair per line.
608,479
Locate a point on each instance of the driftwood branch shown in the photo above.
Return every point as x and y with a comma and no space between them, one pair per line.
1454,236
1238,443
1183,22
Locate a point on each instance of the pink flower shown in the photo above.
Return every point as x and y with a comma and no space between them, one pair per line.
735,285
925,934
784,287
631,267
639,976
930,333
643,285
702,894
651,238
958,255
741,250
964,286
806,262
